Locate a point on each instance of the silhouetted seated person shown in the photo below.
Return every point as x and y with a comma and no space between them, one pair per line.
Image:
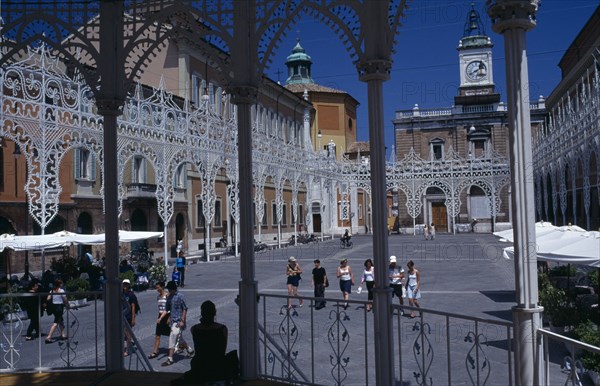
210,341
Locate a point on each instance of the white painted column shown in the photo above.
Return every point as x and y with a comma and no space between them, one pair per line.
513,18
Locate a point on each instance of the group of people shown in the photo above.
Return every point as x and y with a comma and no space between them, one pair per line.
429,231
54,304
403,286
209,361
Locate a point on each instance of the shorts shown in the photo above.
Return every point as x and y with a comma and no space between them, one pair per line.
412,294
163,328
398,290
346,286
294,280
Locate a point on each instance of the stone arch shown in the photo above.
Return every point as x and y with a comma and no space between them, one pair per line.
437,209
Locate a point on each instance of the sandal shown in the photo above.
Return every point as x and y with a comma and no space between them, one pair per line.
28,338
153,355
125,353
48,341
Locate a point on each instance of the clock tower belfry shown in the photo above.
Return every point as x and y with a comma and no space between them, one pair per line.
475,62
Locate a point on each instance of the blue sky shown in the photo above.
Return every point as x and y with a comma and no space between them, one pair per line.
425,68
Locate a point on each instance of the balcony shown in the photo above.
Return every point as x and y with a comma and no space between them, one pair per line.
140,190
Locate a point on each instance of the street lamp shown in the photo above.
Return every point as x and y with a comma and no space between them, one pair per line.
17,155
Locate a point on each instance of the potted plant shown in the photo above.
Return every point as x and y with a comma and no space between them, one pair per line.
10,307
589,333
77,289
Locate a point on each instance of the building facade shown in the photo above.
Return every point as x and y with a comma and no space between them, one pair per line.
566,148
461,182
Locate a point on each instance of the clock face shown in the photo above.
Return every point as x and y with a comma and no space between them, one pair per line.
476,70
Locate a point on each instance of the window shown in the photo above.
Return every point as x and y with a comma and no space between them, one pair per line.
200,223
217,220
300,214
196,90
180,177
264,219
479,141
273,213
85,165
284,215
360,211
479,148
139,170
436,149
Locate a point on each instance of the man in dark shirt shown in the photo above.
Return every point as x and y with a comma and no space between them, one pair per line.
319,280
128,301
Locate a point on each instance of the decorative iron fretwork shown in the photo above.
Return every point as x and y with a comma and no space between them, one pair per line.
476,362
423,353
339,339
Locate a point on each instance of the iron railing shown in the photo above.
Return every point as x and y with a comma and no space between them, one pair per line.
571,366
83,349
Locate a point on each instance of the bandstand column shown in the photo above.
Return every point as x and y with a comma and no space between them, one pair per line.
374,74
248,284
513,18
244,95
109,102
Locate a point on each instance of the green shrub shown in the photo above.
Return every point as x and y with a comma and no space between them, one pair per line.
589,333
563,270
127,275
66,267
77,286
557,307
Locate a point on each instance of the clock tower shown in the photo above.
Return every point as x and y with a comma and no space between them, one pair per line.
475,62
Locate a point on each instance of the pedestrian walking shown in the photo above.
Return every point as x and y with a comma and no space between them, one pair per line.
33,308
319,282
396,279
293,272
177,308
368,278
181,268
413,286
162,323
344,273
130,305
58,299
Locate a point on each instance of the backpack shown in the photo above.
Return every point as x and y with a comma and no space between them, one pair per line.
136,303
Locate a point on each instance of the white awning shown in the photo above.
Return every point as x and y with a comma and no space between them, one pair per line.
64,238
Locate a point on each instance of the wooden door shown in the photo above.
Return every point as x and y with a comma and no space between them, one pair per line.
439,216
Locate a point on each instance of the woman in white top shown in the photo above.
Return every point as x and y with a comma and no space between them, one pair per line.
59,302
368,277
413,286
344,273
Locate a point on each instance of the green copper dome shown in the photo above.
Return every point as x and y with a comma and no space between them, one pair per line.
298,64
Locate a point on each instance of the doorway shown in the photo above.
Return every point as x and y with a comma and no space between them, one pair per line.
439,216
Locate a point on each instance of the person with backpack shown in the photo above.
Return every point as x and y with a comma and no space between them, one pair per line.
131,307
181,268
